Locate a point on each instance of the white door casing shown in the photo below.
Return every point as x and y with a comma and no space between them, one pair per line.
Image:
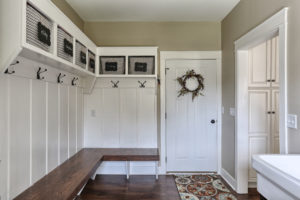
171,55
275,25
191,137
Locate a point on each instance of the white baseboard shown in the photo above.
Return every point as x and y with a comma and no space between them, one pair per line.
228,178
136,168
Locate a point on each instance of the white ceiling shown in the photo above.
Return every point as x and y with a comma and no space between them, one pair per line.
152,10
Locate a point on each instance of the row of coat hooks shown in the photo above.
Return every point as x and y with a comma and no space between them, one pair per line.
40,71
116,84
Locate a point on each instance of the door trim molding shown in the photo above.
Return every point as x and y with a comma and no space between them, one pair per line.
275,25
190,55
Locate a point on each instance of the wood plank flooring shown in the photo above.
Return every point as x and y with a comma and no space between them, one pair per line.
138,187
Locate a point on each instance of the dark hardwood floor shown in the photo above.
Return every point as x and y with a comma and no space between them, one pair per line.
116,187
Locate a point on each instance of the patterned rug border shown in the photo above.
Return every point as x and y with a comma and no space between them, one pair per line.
202,186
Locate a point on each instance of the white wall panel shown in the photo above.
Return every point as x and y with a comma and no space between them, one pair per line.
92,119
19,133
128,118
31,122
72,120
38,124
110,117
146,116
63,123
3,136
53,128
79,118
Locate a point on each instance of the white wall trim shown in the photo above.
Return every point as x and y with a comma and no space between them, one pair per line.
199,55
277,24
228,178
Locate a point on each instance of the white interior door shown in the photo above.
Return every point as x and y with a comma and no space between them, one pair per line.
191,125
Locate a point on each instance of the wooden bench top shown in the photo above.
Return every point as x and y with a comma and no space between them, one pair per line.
65,181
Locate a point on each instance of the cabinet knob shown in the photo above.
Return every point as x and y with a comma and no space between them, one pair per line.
213,121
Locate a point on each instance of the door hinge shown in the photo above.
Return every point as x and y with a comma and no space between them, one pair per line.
165,115
166,69
166,159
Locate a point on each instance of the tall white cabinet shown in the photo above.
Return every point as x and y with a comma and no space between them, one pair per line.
263,93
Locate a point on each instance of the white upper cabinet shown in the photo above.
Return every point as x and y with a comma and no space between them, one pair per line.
264,65
38,30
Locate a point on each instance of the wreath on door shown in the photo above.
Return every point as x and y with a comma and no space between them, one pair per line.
188,77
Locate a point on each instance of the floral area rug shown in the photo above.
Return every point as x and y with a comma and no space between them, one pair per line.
202,187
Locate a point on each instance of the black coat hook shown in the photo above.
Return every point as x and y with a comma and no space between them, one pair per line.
9,72
13,71
142,85
74,81
115,85
15,63
39,72
60,76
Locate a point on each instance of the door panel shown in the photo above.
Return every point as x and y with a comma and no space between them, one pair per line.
257,145
191,138
259,106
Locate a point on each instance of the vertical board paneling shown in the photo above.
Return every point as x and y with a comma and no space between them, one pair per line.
146,117
53,129
79,118
110,117
38,124
72,121
63,124
19,131
3,136
128,115
92,119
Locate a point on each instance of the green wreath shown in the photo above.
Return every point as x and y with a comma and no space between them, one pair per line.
184,90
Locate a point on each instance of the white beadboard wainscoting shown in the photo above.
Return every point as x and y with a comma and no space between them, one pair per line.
41,125
123,117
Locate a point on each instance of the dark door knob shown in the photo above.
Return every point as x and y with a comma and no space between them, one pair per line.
213,121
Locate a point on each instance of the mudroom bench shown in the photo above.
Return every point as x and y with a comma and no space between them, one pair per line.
66,181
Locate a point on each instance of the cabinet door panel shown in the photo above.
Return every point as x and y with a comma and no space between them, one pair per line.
275,62
259,106
257,145
259,65
275,121
38,130
128,117
19,119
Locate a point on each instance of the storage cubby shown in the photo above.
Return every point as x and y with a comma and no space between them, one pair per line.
144,65
127,62
112,64
81,55
39,29
92,62
64,45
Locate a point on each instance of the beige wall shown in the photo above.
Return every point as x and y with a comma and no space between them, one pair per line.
69,12
167,35
245,16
